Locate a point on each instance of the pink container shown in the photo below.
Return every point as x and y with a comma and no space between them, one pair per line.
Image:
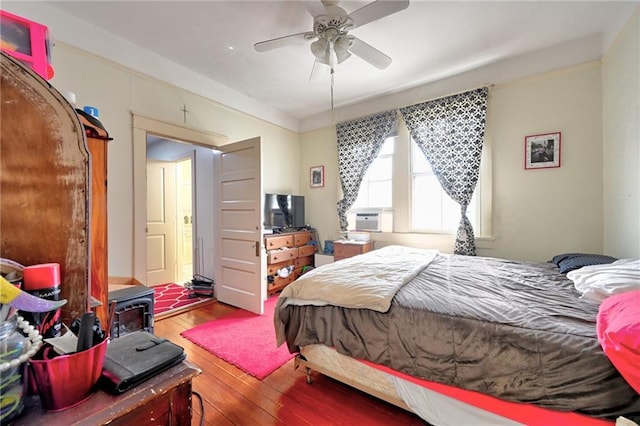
28,42
68,380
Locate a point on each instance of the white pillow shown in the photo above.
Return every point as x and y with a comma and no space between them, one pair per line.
598,282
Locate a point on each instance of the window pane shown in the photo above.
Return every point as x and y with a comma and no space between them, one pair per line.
387,147
363,197
376,187
426,212
380,194
380,169
450,213
419,162
432,209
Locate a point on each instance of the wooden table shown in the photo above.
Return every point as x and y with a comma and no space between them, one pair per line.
164,399
343,249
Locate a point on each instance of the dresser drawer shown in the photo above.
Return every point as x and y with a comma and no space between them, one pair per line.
304,261
306,250
302,238
276,256
272,268
279,282
278,241
346,250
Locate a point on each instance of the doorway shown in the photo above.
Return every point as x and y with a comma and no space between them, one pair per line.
170,215
204,143
206,225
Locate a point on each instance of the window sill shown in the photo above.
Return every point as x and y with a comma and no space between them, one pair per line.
441,242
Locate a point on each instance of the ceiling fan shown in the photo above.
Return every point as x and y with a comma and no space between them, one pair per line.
331,25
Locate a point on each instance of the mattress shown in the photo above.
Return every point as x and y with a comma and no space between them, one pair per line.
437,404
517,331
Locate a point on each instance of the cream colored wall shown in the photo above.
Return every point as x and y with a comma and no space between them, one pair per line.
319,148
539,213
621,137
568,101
536,213
117,91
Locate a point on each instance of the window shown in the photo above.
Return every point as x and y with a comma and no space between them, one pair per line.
376,189
411,190
432,210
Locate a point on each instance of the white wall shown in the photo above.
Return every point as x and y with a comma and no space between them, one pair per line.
621,135
567,214
319,148
536,213
117,92
542,212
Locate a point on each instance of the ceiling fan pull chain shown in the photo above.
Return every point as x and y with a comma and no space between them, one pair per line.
331,90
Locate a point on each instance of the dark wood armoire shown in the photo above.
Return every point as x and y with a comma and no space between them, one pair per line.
46,210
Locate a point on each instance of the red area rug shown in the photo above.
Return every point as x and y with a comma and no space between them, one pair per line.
169,297
244,339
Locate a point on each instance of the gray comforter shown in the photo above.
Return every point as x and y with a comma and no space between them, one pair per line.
513,330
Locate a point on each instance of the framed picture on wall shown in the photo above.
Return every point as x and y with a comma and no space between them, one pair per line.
542,151
317,176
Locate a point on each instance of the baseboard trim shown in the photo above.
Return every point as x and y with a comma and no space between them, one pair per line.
183,309
124,281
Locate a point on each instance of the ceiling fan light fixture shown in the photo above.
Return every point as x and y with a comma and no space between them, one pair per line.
319,48
342,55
341,46
342,43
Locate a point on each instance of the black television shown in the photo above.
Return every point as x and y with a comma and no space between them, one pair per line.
283,211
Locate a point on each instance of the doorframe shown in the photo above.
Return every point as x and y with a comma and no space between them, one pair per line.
141,126
180,248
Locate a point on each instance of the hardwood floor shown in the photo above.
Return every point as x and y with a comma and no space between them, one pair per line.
232,397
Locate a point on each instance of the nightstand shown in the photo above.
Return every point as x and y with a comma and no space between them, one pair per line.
343,249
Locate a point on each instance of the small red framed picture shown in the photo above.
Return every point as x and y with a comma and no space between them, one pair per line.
542,151
317,176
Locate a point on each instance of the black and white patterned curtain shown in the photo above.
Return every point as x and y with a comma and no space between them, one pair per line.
359,142
449,132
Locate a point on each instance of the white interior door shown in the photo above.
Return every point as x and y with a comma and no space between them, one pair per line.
241,271
161,222
184,220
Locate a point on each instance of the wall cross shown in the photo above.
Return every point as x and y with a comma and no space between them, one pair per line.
184,112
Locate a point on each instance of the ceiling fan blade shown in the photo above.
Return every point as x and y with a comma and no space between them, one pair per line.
320,72
275,43
369,54
376,10
314,7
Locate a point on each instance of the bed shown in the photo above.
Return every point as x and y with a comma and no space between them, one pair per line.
456,339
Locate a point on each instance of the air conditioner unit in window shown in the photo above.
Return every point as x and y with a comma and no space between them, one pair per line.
368,221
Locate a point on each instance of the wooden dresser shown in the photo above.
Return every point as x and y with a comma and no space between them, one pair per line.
165,399
345,249
291,250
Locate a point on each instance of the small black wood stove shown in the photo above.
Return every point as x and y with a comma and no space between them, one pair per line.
134,309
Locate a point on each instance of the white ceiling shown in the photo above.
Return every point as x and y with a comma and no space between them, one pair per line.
428,41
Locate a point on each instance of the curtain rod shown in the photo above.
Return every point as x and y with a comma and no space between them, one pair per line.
488,85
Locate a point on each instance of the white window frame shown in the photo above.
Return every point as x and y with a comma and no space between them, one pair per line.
402,195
